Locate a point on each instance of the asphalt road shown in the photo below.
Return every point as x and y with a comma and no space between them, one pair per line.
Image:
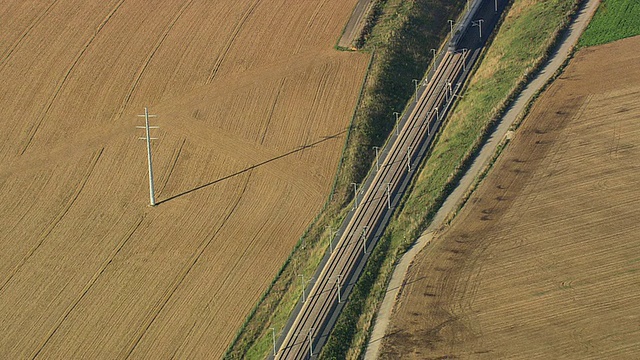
314,318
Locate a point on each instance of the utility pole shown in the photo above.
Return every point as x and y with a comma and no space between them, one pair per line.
449,90
364,238
152,195
415,82
311,342
496,5
409,158
397,114
389,196
455,92
451,25
377,157
273,333
330,238
437,113
301,276
478,23
355,196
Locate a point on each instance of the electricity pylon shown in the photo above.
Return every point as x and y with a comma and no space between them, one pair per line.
152,196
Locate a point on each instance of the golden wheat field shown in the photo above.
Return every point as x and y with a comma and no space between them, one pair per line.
253,106
543,261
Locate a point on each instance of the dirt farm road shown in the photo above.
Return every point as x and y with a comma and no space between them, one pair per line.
567,42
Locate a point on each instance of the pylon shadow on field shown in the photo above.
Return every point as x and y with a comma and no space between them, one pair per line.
291,152
404,283
389,334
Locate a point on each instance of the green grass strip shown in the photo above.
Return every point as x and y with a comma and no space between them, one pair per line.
614,20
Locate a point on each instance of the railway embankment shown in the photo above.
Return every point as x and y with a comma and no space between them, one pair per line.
400,44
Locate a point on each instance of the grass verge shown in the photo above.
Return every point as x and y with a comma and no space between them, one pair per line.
400,39
521,46
505,141
614,20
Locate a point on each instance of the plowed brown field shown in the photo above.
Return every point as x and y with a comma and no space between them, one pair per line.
253,106
542,263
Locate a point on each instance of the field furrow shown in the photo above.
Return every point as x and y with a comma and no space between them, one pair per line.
18,23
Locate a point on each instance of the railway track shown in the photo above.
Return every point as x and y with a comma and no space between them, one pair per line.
309,330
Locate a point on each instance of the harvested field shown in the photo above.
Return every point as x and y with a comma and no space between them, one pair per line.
253,106
542,261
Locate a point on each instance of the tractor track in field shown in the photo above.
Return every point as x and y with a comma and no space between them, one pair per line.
55,223
88,286
271,111
231,39
173,165
25,33
150,56
185,273
309,23
34,129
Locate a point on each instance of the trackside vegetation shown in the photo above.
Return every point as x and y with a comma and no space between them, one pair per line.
522,44
614,20
377,7
400,43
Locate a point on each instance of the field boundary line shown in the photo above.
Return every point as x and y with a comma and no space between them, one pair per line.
351,126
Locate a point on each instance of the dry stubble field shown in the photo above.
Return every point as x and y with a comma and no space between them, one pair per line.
543,260
253,106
